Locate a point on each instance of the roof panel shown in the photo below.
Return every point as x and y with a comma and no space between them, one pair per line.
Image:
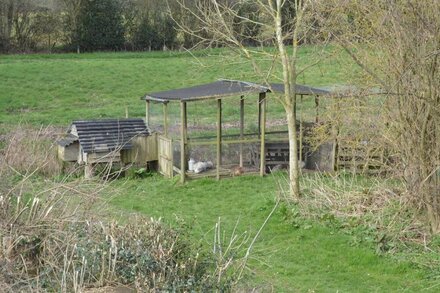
216,89
224,88
109,134
301,90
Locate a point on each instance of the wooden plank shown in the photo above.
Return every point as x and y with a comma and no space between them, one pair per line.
262,98
317,109
165,154
182,140
214,142
301,131
165,119
147,112
144,150
219,137
241,128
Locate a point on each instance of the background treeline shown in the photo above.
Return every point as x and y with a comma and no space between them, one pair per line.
100,25
86,25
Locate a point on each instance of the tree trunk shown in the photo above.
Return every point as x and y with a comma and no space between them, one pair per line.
293,154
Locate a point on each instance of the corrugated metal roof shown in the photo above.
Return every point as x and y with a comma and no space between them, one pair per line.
301,90
225,88
109,134
222,88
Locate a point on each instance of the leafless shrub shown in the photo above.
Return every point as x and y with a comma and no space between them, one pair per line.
59,238
396,46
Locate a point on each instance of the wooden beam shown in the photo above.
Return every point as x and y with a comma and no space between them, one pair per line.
317,109
219,137
241,128
335,133
165,119
259,116
230,141
147,112
182,141
262,122
301,129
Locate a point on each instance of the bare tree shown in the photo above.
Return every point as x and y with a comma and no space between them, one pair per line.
277,24
397,45
72,10
7,8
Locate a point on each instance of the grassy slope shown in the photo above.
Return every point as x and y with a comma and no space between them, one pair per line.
55,89
292,259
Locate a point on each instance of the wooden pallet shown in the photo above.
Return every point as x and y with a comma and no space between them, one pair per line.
360,158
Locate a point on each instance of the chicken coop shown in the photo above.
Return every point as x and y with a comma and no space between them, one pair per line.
91,142
224,125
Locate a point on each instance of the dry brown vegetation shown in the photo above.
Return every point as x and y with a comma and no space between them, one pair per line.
58,236
396,45
29,150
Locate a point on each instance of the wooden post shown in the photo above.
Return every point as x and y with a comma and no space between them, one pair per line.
262,99
259,116
147,112
165,119
182,141
317,109
88,171
335,133
126,112
219,137
241,129
301,130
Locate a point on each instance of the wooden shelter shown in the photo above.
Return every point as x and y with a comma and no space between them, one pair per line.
107,141
214,91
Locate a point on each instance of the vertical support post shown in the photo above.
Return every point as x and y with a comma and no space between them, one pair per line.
165,119
88,171
182,141
301,130
262,102
335,133
259,116
126,112
147,112
317,109
241,129
219,137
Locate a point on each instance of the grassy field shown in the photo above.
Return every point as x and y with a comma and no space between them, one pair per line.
55,89
309,257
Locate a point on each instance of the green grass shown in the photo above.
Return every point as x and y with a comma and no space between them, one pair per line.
56,89
313,257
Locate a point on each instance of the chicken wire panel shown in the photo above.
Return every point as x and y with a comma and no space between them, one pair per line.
230,154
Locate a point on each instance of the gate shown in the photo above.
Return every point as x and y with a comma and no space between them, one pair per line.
165,152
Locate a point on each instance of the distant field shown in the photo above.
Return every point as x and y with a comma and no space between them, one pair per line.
55,89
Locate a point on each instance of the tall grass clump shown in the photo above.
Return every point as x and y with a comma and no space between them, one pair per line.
373,210
28,150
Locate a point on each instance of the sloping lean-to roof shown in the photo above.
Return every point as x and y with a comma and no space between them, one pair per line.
107,135
221,88
225,88
301,90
